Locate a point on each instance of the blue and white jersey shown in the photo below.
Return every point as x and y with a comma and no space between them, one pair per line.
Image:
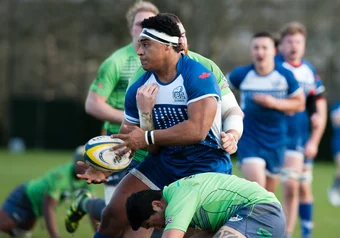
263,126
193,82
310,82
335,119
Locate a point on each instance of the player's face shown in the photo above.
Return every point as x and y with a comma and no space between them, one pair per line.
262,51
151,54
157,221
183,40
136,27
293,47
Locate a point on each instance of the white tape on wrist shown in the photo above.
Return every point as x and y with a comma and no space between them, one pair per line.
146,137
233,122
152,137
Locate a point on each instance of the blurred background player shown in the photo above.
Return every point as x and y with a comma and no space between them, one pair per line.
303,144
215,203
334,191
268,91
39,198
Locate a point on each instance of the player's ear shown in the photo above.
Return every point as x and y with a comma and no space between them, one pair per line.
157,205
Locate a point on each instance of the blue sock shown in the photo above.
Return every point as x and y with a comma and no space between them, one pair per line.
94,207
97,235
306,216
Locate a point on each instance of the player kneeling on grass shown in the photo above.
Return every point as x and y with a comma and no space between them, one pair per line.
39,198
215,203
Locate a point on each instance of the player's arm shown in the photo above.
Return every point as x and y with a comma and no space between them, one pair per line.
49,206
294,103
232,123
97,107
318,121
173,233
201,115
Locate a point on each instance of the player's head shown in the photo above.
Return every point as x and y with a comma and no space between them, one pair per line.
293,41
158,42
146,209
136,14
183,41
262,49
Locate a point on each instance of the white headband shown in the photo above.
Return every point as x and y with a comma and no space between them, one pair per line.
160,37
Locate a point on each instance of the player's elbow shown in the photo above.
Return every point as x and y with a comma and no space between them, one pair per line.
199,135
91,106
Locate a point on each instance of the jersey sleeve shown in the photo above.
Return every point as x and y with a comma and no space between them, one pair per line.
56,181
107,78
201,84
221,79
319,87
181,209
236,77
293,84
130,108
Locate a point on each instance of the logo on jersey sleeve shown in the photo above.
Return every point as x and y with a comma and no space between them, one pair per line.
168,221
204,75
178,94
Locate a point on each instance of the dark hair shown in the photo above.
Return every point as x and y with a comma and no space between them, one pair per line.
172,16
264,34
139,207
163,23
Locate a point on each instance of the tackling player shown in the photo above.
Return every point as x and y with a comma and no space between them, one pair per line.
219,204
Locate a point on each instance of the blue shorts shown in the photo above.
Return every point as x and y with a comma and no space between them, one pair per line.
259,220
18,206
157,171
274,158
116,177
297,142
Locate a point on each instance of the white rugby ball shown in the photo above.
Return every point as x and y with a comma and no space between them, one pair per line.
98,153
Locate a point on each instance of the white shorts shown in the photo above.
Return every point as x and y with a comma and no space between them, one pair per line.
108,192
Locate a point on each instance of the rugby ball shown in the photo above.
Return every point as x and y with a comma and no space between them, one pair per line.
98,153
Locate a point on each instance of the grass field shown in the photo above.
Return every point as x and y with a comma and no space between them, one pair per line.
18,168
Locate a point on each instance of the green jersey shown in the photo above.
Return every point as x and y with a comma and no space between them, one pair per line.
221,80
59,183
207,201
113,78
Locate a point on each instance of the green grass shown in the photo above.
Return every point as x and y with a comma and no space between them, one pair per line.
18,168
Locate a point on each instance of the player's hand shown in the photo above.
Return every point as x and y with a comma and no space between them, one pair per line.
229,143
91,174
265,100
311,149
146,97
133,141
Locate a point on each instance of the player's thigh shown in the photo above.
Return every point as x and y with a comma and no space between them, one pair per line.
259,220
226,231
116,207
253,169
17,210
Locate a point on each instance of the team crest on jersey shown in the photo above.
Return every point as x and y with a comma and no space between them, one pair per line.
168,221
178,94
